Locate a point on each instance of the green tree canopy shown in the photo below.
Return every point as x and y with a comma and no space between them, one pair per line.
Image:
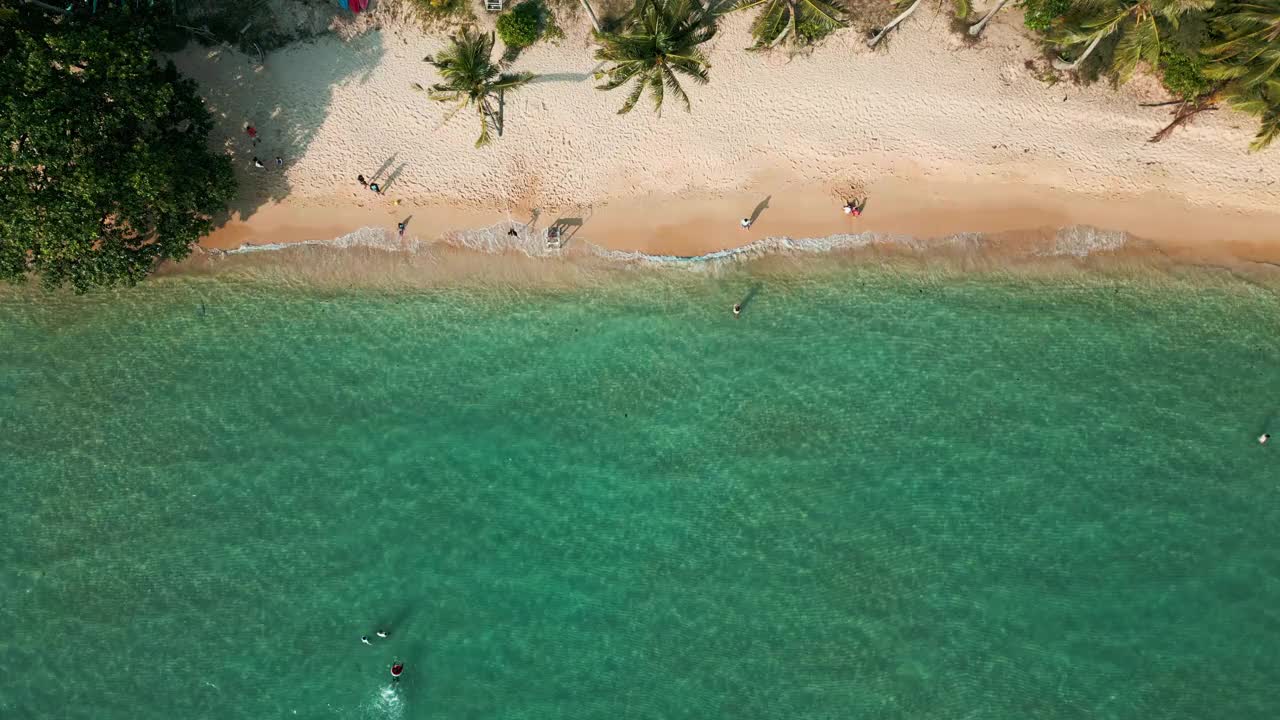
797,21
521,26
1138,27
104,168
658,44
471,77
1247,61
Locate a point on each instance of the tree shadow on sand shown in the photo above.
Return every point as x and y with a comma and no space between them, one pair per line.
286,100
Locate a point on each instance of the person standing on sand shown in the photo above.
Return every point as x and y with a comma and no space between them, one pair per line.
363,183
400,227
746,223
374,187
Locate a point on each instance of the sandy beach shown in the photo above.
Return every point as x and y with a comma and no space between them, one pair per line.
942,138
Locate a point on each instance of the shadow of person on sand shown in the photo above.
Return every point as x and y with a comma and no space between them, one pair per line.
286,100
764,205
386,184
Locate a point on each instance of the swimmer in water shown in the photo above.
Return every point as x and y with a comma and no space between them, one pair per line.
365,639
1262,439
737,309
396,670
382,634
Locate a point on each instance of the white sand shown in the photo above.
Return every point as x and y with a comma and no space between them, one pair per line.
925,108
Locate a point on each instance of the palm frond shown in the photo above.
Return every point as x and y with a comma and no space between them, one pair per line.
469,75
1141,42
1268,129
632,98
659,39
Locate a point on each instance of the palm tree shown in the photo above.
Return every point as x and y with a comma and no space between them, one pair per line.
1247,62
960,7
799,20
471,77
976,29
1140,25
658,44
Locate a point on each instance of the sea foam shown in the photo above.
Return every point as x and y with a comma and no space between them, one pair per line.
1073,241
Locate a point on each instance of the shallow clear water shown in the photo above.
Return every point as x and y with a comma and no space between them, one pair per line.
872,496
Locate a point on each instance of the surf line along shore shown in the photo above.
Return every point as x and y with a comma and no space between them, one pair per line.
692,225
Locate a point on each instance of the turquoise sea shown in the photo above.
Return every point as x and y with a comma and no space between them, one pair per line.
877,494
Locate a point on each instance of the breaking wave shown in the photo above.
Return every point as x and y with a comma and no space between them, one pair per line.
1074,241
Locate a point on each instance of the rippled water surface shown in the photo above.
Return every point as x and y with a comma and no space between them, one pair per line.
871,496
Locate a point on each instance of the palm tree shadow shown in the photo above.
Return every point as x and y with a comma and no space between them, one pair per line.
764,205
569,77
286,108
500,117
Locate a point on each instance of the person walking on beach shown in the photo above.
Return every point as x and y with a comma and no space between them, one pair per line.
374,187
258,163
400,227
363,183
746,223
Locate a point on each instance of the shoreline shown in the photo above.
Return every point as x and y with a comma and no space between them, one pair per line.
698,226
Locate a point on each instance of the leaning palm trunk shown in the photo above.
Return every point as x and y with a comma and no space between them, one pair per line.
1060,64
46,6
781,36
976,29
892,24
591,14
